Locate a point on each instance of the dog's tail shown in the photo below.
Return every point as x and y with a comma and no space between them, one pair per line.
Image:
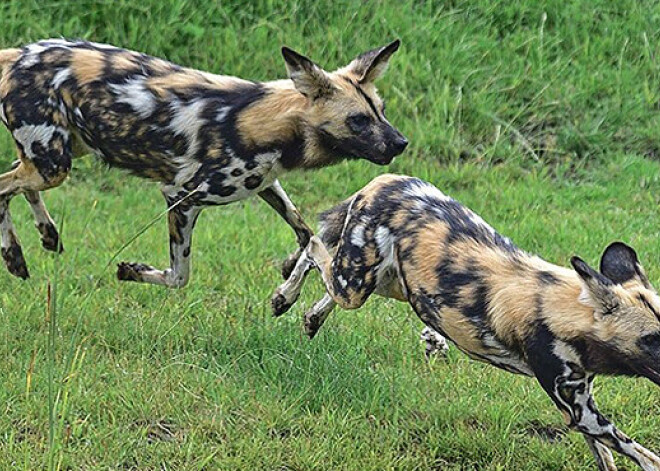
331,223
7,59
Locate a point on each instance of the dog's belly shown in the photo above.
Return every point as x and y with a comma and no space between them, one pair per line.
237,180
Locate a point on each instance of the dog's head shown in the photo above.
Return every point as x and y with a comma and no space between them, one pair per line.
626,310
345,112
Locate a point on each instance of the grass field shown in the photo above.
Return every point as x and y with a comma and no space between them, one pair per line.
543,119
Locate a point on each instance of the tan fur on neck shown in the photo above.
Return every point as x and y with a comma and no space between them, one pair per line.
275,118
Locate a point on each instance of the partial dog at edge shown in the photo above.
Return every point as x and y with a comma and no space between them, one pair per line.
402,238
207,139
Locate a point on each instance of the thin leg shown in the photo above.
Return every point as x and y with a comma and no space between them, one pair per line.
570,387
50,238
181,221
316,316
602,454
276,197
11,250
289,291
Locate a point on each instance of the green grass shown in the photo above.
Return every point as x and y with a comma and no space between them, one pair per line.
542,119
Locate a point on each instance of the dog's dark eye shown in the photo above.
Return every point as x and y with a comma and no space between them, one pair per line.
358,122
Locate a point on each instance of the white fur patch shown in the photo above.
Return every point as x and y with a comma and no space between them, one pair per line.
222,114
384,240
3,116
269,168
187,121
342,281
586,298
357,236
32,51
423,190
29,134
566,353
60,77
187,170
133,92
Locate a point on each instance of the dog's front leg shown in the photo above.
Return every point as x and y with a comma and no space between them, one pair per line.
289,291
599,431
181,221
557,369
276,197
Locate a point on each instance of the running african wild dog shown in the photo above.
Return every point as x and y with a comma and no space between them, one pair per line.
402,238
207,139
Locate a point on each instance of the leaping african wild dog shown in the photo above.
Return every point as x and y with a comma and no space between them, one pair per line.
207,139
402,238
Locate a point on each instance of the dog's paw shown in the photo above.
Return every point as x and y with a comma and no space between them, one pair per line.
311,323
279,304
127,271
435,344
50,239
15,262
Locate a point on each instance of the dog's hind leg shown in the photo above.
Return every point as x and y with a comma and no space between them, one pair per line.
181,221
289,291
11,250
316,316
276,197
348,278
45,161
50,238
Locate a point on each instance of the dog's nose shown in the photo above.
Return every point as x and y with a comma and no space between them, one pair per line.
400,144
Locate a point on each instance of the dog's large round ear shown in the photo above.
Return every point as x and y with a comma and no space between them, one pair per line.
596,288
308,78
371,65
620,264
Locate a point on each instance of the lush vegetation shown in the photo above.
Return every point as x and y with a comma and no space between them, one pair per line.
541,116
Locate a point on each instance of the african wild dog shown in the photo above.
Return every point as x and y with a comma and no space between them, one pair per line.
207,139
402,238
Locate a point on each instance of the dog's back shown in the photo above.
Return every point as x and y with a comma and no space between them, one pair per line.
133,110
406,206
